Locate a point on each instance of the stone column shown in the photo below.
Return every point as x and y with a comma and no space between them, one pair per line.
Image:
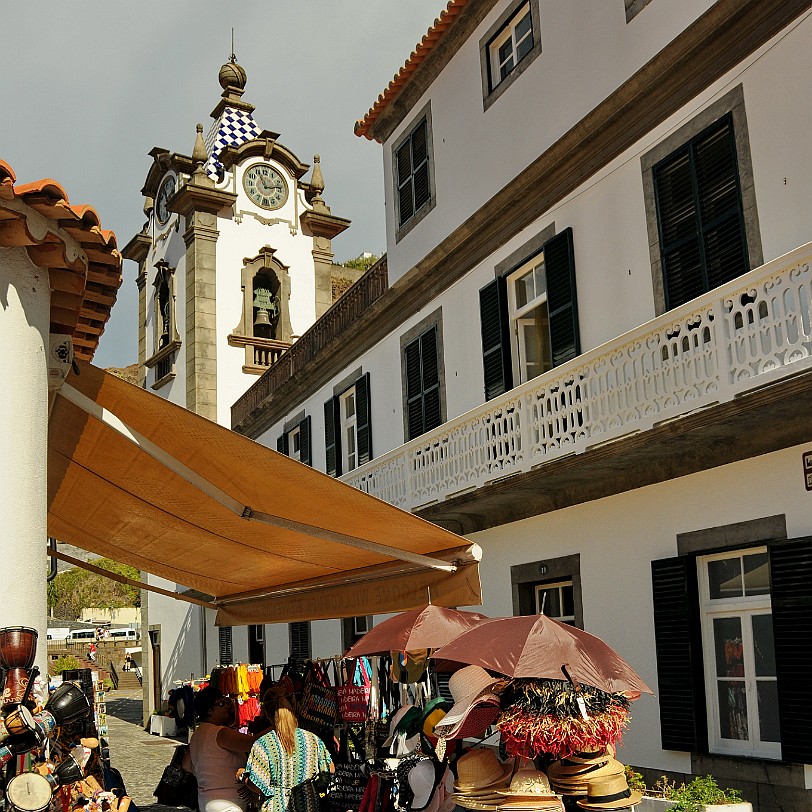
24,336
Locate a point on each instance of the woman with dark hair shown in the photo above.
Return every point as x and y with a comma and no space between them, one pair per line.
285,756
217,751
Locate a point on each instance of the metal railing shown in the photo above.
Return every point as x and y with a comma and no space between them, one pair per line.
748,333
339,318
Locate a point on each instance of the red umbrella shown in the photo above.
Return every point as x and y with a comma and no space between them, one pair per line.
427,627
538,646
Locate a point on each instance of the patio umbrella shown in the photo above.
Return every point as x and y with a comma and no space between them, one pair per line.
425,627
538,646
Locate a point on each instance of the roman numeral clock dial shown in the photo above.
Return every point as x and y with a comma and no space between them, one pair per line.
265,186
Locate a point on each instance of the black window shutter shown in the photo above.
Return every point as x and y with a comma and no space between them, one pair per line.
282,444
363,410
304,442
562,302
414,389
430,367
332,437
791,597
225,645
493,314
300,648
678,644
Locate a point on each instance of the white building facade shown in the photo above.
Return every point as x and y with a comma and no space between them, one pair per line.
591,354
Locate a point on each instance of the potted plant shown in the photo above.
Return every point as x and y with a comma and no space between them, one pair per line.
703,794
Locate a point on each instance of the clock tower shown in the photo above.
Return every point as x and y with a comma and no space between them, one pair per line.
235,259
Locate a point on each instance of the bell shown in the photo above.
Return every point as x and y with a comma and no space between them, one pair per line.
67,703
262,319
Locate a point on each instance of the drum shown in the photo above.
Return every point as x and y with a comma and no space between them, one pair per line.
45,722
68,771
29,792
14,687
19,720
23,742
18,647
68,703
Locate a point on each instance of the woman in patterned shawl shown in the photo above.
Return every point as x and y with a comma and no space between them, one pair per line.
286,756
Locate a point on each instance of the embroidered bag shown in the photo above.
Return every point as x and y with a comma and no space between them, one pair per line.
318,706
353,698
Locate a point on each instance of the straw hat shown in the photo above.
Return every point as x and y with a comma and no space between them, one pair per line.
574,779
527,783
609,792
478,769
470,687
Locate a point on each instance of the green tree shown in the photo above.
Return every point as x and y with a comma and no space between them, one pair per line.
77,588
362,262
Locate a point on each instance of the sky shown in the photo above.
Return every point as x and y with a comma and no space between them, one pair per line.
90,87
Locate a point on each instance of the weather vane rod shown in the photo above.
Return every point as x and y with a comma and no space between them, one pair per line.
233,57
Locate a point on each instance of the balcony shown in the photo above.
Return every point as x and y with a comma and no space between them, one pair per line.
666,398
260,353
335,321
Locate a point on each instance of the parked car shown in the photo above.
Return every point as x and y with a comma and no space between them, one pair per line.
82,634
122,634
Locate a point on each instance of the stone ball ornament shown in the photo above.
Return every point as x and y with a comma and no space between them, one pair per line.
232,75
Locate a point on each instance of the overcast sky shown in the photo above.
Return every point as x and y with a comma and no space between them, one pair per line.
89,87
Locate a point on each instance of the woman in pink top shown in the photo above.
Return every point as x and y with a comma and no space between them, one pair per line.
217,752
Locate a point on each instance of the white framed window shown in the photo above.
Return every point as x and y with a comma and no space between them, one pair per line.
361,624
512,44
349,429
739,652
556,600
529,320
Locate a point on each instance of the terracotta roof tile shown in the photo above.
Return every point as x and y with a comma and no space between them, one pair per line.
418,55
82,259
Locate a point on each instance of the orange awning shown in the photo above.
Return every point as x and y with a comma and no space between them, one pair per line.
140,480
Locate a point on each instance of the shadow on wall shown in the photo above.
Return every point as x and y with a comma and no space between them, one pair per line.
184,659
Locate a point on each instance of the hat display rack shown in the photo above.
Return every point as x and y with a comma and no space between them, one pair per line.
30,729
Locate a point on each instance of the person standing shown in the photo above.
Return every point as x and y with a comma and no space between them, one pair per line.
216,753
285,756
91,652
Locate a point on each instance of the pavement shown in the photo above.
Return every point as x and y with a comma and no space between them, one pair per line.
138,755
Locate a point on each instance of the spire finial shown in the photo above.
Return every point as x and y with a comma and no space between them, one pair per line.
317,186
233,57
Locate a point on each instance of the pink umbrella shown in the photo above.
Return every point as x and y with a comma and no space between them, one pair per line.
540,647
427,627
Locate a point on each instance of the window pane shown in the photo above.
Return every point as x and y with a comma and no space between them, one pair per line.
727,638
733,711
296,441
764,653
724,578
525,291
567,601
756,574
349,405
768,710
351,440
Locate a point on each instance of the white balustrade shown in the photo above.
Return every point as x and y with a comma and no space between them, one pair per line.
742,335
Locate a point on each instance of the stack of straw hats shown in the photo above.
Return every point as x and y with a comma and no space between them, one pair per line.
570,775
479,775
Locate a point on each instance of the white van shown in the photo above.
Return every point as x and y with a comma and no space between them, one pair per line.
82,634
122,634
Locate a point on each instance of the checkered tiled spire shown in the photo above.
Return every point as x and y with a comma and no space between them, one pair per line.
233,122
232,128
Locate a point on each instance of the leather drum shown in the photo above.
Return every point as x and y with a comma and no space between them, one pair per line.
28,792
18,647
19,720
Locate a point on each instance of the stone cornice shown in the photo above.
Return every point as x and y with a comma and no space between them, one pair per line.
267,147
137,248
192,197
171,347
162,161
324,224
711,46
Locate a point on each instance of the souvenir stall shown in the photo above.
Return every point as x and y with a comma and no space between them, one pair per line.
47,756
536,711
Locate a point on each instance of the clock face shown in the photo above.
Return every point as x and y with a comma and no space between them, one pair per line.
166,190
265,186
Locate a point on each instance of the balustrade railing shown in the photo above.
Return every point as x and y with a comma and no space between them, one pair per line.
747,333
358,297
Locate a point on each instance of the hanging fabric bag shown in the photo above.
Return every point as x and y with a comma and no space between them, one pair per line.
353,698
318,707
350,779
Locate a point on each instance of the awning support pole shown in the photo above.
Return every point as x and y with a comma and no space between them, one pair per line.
235,506
123,579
